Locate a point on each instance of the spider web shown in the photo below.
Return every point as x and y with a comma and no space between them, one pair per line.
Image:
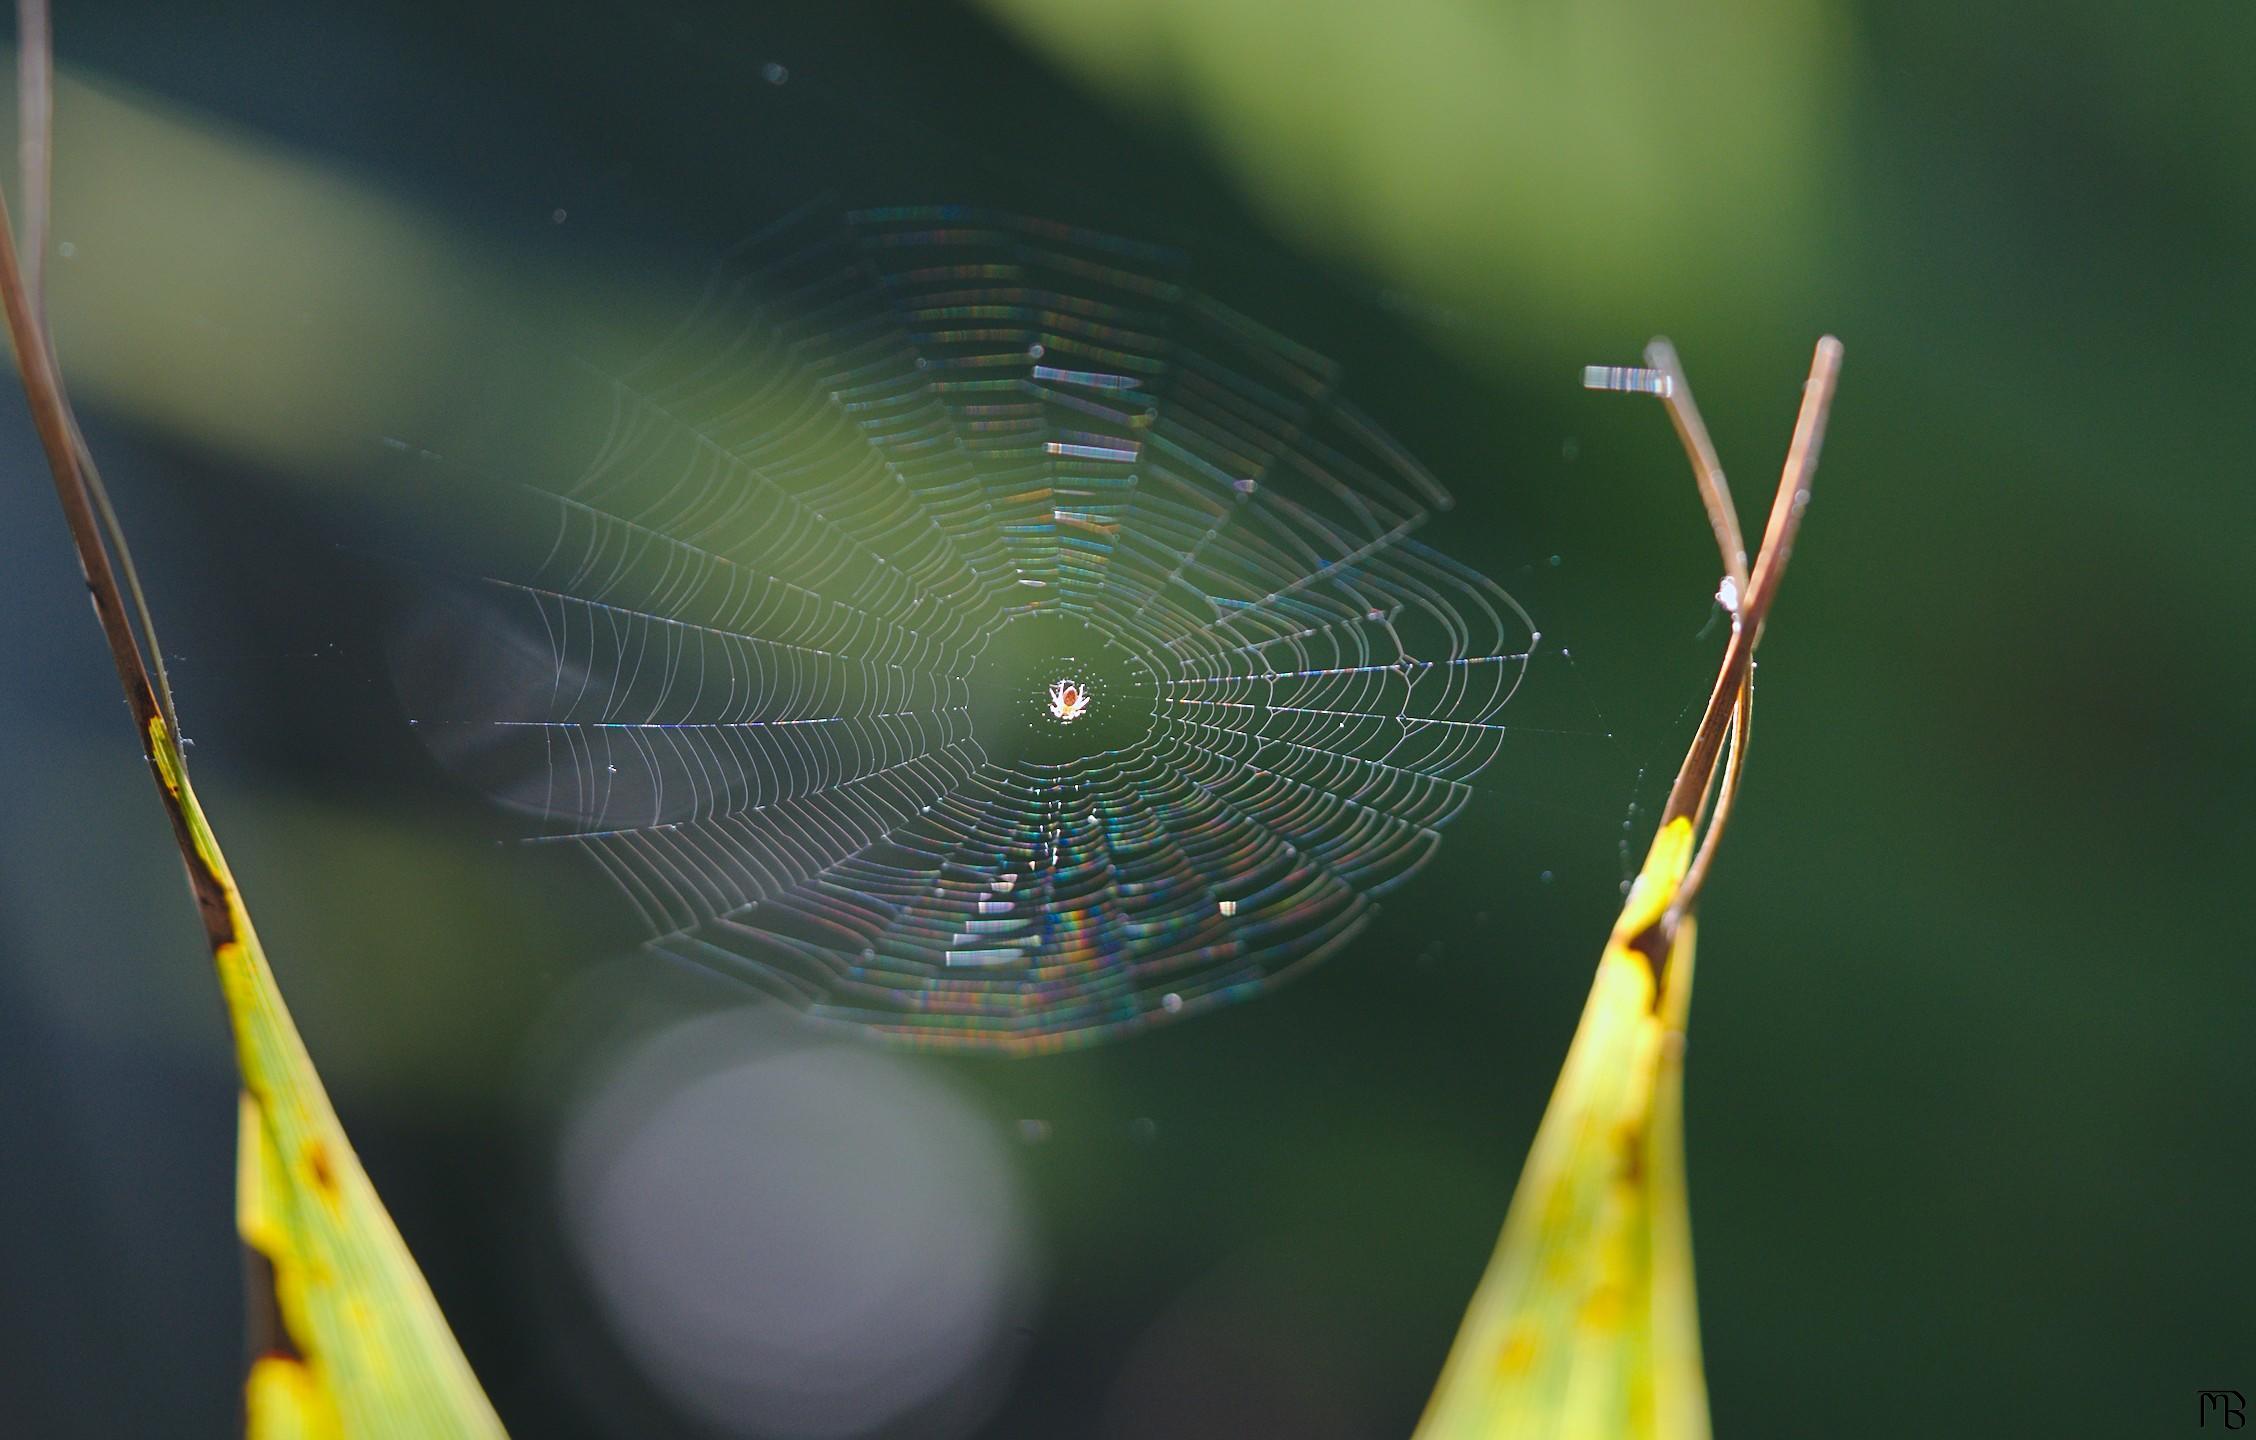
731,659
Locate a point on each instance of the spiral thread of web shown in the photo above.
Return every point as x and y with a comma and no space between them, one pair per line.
730,660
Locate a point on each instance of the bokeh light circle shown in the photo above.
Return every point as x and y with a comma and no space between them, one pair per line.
798,1240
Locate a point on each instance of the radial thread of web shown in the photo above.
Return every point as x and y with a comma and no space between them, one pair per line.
734,647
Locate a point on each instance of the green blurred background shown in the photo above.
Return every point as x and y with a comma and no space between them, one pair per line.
1969,1098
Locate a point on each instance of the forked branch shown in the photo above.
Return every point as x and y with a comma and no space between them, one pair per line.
1716,758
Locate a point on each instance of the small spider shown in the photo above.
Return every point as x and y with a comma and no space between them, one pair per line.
1068,700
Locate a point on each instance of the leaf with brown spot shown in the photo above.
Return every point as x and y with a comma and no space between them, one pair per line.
1585,1325
349,1340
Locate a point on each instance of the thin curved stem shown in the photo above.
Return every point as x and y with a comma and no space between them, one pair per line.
1727,791
1715,491
35,110
1786,509
35,117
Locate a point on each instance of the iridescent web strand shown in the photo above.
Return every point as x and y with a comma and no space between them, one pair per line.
733,670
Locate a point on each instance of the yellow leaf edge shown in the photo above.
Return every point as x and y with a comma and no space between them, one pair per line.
365,1353
1585,1325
